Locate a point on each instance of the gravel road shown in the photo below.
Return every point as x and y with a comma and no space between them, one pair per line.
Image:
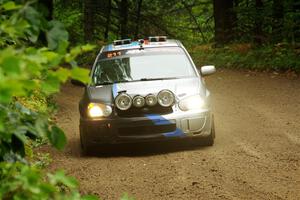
256,153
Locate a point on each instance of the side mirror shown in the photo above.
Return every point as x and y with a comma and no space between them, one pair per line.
77,83
207,70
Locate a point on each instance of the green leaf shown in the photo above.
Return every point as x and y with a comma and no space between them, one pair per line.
30,84
20,133
89,197
62,47
5,95
75,51
62,74
10,6
11,65
9,88
60,177
57,138
51,84
35,20
126,197
53,58
87,47
80,74
56,34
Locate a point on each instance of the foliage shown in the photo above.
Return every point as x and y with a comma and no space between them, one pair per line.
126,197
26,71
156,18
280,57
264,24
20,181
70,14
29,74
191,21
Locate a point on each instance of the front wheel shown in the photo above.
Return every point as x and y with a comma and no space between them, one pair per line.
84,147
208,140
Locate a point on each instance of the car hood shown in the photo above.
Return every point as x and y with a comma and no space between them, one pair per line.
180,87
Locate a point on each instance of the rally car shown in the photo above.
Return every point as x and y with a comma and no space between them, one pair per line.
145,90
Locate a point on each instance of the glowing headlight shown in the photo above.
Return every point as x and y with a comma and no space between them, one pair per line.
99,110
138,101
123,101
166,98
192,103
151,100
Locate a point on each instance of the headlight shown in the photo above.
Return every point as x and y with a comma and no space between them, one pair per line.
151,100
138,101
166,98
192,103
99,110
123,101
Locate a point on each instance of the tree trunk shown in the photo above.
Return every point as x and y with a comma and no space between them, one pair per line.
108,19
88,20
138,18
123,9
277,25
48,4
258,32
235,21
224,17
296,31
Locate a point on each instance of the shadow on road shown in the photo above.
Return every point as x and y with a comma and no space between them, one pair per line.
141,149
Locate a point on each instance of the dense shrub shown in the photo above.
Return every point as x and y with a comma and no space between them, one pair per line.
29,75
279,57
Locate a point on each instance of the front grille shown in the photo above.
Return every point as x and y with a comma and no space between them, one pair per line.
146,130
140,112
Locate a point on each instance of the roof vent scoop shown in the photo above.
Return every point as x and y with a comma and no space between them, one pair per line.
122,42
157,39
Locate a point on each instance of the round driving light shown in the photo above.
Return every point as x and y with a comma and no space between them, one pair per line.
138,101
123,101
107,110
166,98
151,100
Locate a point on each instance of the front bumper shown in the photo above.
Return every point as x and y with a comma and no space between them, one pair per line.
147,128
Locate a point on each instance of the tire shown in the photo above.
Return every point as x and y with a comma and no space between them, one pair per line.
88,149
208,140
84,147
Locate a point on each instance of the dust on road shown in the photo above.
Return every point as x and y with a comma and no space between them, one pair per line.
256,153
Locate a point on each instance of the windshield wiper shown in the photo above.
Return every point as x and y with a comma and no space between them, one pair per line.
110,83
142,79
104,83
156,79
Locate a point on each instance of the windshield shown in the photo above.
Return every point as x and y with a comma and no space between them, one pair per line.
148,64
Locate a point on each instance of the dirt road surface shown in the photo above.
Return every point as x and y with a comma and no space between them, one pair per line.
256,153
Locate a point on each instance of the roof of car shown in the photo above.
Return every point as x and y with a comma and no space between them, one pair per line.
146,44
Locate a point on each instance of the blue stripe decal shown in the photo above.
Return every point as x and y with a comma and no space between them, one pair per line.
176,133
115,90
159,120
